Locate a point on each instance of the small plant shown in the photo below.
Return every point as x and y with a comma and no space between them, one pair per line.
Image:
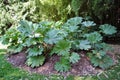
40,40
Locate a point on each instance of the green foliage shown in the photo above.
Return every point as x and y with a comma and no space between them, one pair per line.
74,57
102,46
74,21
35,51
101,59
88,23
9,34
100,7
76,4
5,21
15,48
84,45
47,10
108,29
101,11
53,36
35,61
12,11
93,37
11,38
10,14
27,28
63,65
62,47
44,39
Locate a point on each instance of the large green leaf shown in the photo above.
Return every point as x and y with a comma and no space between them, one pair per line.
88,23
35,51
71,28
62,47
63,65
93,37
104,62
102,46
72,24
53,36
74,21
74,57
28,42
108,29
99,54
44,27
31,41
27,28
84,45
35,61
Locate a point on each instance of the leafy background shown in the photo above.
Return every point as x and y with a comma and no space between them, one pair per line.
100,11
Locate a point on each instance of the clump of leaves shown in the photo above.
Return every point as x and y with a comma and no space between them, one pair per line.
108,29
99,58
46,38
35,61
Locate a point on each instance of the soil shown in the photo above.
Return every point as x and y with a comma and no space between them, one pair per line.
83,67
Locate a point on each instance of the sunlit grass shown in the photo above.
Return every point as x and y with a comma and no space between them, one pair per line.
3,51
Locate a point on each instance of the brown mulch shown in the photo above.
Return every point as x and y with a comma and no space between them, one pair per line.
83,67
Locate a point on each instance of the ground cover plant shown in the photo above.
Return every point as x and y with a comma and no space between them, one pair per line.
44,39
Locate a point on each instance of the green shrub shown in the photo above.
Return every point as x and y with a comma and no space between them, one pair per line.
12,11
47,10
4,19
10,14
40,40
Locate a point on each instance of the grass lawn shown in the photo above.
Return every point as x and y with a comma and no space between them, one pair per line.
9,72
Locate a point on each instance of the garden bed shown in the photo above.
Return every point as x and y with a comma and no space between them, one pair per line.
82,67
